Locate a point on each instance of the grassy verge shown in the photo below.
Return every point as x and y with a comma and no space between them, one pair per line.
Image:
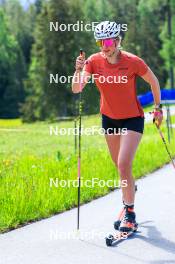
30,159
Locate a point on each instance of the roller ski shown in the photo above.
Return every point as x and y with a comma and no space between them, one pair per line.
125,225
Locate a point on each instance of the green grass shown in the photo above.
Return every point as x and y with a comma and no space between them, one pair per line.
10,123
29,157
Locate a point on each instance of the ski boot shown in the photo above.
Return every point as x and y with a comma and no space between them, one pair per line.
128,223
119,219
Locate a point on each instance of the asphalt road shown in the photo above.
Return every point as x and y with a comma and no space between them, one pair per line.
55,241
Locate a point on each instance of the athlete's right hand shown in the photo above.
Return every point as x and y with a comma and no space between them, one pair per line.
80,61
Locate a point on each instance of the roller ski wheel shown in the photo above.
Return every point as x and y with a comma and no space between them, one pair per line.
135,227
109,240
117,224
119,236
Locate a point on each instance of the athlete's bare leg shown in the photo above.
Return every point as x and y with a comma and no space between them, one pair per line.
128,147
113,142
122,149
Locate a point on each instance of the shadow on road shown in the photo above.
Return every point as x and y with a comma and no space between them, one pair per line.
156,239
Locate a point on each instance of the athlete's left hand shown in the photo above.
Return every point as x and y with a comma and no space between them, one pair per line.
157,117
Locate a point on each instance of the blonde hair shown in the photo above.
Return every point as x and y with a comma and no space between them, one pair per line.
120,39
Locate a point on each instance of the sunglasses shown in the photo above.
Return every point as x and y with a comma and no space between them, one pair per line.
105,42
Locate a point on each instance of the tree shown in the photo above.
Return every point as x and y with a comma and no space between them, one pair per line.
10,57
167,52
20,25
52,53
151,20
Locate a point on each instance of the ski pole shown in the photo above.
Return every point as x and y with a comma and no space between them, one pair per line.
75,136
163,139
79,149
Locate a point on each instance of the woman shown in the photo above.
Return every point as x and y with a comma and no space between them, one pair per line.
119,105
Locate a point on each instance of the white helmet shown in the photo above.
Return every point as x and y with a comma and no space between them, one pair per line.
106,29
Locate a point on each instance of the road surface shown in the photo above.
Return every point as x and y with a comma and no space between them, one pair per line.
55,241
